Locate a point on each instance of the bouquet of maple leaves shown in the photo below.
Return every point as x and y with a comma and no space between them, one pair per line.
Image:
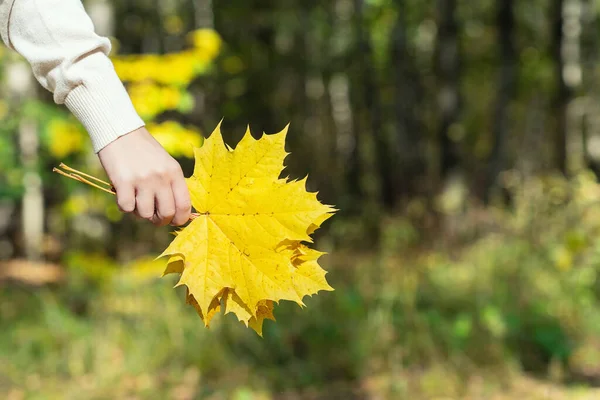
245,247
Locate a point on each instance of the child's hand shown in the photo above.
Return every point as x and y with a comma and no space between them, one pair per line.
147,179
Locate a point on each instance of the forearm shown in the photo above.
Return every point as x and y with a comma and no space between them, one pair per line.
70,60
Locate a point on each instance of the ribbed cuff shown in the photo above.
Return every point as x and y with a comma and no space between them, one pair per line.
104,108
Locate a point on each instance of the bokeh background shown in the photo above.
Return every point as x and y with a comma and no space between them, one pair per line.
459,139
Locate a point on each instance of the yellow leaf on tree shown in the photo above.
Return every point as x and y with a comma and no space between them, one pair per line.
244,247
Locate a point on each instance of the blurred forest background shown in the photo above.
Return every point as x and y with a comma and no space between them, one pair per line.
459,139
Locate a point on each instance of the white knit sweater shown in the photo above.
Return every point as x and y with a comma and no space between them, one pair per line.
69,59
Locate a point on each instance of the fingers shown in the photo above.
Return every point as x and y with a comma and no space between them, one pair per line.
138,200
161,196
165,206
144,203
125,196
183,205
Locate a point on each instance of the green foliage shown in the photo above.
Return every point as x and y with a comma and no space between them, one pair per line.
508,301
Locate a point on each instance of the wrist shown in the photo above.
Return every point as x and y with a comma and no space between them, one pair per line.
102,104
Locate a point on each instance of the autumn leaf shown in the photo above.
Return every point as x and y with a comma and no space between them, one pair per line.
264,310
235,305
213,308
245,247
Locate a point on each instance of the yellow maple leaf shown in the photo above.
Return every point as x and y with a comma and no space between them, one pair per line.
263,311
215,307
243,251
174,265
233,304
308,280
244,247
309,277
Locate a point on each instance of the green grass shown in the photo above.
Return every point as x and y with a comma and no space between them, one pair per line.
507,306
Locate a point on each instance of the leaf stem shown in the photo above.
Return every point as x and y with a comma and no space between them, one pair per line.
67,168
73,175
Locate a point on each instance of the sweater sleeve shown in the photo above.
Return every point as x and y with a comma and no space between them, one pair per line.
70,60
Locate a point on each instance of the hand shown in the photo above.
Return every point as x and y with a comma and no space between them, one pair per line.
148,181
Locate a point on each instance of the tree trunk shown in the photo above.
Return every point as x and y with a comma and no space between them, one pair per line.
203,13
448,71
561,99
589,55
408,157
22,88
506,87
377,178
572,76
